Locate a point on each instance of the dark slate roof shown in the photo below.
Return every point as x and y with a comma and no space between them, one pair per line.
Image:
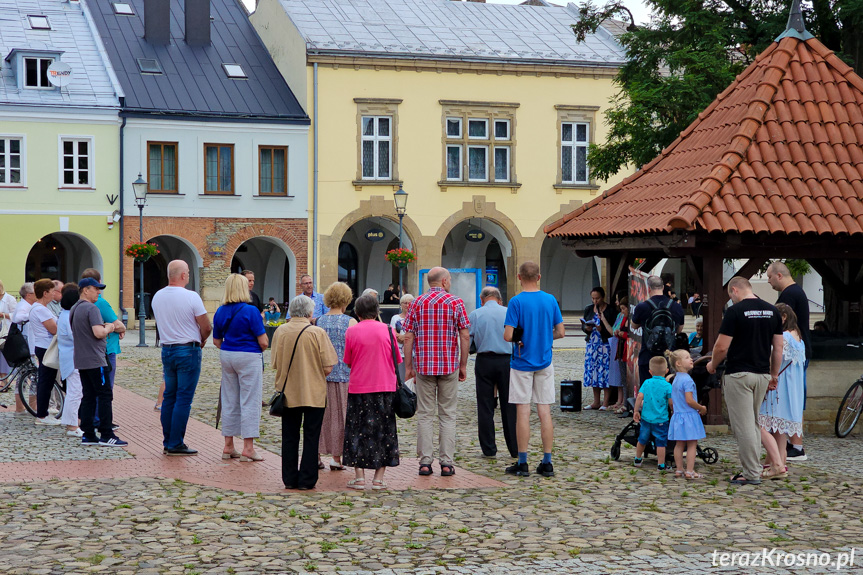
194,84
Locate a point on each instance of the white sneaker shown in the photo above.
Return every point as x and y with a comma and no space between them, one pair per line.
54,412
75,433
49,420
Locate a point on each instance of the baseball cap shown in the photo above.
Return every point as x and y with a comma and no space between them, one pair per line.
90,282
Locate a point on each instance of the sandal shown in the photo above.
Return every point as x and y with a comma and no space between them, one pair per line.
232,455
336,466
377,485
774,474
740,479
693,475
447,470
589,407
253,457
425,469
357,483
678,473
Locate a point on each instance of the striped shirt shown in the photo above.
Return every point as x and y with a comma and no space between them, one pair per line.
435,319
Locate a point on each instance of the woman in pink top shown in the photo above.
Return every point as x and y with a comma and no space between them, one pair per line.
371,439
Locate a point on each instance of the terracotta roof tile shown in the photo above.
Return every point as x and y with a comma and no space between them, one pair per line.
778,151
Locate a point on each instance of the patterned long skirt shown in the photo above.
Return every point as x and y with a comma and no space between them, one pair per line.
371,439
597,360
333,428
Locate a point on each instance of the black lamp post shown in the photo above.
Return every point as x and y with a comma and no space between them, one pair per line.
401,200
139,186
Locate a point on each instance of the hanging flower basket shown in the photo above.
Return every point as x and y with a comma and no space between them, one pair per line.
401,257
142,252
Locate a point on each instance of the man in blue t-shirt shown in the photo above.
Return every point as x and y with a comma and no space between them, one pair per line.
533,321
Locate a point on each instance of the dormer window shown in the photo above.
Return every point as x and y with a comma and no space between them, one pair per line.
123,9
36,72
39,22
149,66
234,71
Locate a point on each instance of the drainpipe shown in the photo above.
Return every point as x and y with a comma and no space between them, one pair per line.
123,313
315,176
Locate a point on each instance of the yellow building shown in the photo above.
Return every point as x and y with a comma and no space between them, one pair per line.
59,154
482,113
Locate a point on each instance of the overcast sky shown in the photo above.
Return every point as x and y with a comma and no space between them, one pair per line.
639,11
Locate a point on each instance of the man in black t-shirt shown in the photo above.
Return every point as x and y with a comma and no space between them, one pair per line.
642,313
751,338
791,294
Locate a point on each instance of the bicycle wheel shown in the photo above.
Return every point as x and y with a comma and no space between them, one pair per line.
849,409
27,389
58,400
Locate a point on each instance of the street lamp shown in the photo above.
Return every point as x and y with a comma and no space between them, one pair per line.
139,186
401,200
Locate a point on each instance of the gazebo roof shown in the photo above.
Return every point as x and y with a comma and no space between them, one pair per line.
779,151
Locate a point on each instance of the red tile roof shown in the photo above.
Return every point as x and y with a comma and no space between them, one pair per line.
779,151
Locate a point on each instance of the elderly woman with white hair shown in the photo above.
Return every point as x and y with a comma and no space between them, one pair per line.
302,356
696,338
396,323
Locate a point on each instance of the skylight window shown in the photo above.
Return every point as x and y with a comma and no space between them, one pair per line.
149,66
123,8
39,22
234,71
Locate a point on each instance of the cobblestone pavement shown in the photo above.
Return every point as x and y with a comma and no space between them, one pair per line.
596,516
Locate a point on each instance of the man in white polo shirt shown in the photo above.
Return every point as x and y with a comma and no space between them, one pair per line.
183,328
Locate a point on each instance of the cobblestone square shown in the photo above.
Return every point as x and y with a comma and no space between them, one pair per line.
595,516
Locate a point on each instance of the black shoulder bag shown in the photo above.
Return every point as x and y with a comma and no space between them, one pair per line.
277,402
405,401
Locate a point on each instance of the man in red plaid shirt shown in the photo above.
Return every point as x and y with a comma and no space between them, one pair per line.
437,324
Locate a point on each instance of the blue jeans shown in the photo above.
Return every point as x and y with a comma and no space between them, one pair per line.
182,367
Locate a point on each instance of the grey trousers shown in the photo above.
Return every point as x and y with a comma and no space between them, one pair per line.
242,381
440,391
744,393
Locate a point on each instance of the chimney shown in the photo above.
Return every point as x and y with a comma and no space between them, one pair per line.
157,21
198,22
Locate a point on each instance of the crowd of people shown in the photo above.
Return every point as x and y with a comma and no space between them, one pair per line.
338,374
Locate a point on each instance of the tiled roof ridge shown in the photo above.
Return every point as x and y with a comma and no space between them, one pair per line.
645,169
750,123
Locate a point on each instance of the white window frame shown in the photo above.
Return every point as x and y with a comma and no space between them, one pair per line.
508,130
376,138
508,165
23,165
23,75
484,121
467,163
460,127
573,145
91,166
460,162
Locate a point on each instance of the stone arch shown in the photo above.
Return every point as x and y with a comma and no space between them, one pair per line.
250,231
374,207
78,253
189,235
274,264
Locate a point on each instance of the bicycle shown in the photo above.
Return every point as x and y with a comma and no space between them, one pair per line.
849,409
25,378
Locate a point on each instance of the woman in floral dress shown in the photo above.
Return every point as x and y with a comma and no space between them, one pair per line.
600,317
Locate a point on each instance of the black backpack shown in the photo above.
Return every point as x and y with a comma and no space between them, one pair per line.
659,329
15,350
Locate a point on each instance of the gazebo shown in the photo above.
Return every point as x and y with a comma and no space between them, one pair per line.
773,168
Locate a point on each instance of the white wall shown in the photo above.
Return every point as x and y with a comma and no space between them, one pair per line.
191,137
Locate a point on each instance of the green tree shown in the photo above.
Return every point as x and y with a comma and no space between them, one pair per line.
689,53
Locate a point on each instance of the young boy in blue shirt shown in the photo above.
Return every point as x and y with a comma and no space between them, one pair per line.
651,411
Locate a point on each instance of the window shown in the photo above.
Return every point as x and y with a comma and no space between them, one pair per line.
573,152
39,22
162,167
219,169
377,142
77,163
478,142
377,147
273,171
149,66
123,9
36,72
11,150
234,71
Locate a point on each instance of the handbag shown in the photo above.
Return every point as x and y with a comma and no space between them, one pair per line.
405,401
277,402
52,355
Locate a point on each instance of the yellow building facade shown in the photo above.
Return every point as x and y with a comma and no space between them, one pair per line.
489,151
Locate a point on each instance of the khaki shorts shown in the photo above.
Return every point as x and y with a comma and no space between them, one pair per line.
532,386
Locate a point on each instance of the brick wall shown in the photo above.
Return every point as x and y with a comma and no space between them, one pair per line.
216,240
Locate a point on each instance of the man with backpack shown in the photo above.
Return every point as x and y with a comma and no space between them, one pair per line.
660,320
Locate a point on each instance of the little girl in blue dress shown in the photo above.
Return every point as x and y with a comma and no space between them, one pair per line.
685,427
